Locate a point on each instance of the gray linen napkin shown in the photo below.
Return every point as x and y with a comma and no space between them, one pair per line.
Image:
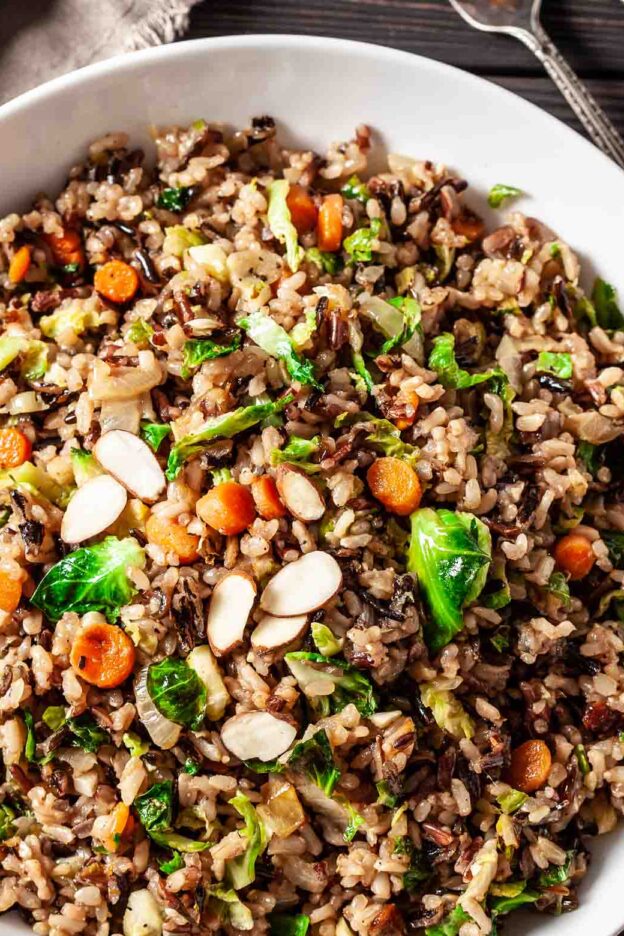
40,39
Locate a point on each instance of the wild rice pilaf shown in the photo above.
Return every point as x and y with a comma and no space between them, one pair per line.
312,548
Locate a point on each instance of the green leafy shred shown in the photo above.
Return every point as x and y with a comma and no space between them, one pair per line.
557,363
30,747
500,192
287,924
229,907
591,456
281,225
355,189
418,872
558,586
324,639
175,199
504,898
448,712
501,638
557,874
221,427
72,316
327,262
363,377
155,434
241,871
173,864
581,759
179,238
276,341
136,745
412,317
191,767
511,801
605,301
93,578
155,807
36,481
361,244
449,552
382,435
356,821
345,684
87,734
54,717
384,796
614,540
7,827
451,924
315,757
140,333
442,360
298,451
84,465
198,350
177,692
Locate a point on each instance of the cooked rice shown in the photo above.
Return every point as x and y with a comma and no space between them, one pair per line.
432,832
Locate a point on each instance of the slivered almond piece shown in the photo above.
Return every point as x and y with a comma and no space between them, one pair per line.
275,632
300,495
93,508
257,735
230,604
302,586
132,462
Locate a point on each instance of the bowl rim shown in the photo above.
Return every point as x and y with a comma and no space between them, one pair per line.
137,59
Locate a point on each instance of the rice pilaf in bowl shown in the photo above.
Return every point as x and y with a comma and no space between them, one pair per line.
312,548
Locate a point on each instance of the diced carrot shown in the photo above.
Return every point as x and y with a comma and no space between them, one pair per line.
468,226
303,211
574,554
103,655
119,819
395,484
116,281
10,592
66,247
228,507
268,503
329,230
530,766
15,447
166,533
19,265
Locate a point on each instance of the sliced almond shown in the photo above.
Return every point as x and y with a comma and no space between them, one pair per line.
273,632
230,605
93,508
302,586
301,496
257,735
131,461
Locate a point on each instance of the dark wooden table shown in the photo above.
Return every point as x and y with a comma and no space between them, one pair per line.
590,33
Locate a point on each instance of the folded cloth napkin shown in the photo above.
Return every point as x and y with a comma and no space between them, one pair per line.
40,39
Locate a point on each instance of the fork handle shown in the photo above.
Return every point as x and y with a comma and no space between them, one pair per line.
584,105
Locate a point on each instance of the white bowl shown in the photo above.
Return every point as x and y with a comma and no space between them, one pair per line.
319,90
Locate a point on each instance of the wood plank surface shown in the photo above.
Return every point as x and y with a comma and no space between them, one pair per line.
590,33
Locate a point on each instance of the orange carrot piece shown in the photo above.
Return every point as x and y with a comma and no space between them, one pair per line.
66,247
404,422
530,766
116,281
303,211
228,507
103,655
573,554
19,265
15,447
166,533
119,819
395,484
329,230
268,503
10,592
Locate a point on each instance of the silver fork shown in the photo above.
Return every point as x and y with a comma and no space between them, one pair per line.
521,18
